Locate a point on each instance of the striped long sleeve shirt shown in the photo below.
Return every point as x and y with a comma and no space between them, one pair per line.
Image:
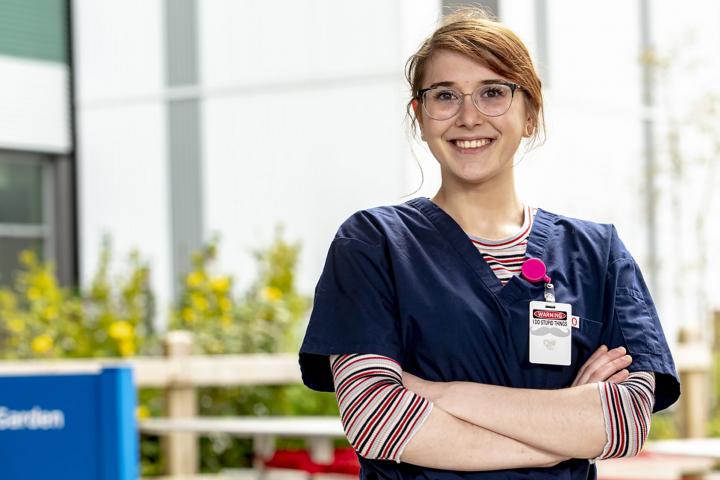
627,409
379,415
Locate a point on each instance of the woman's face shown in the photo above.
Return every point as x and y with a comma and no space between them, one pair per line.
497,137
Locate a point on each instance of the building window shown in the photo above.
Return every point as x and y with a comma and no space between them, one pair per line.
26,209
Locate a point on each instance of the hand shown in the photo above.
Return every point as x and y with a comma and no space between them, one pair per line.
424,388
604,366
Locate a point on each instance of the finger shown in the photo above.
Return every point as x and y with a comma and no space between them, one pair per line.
596,354
599,363
604,360
620,376
610,369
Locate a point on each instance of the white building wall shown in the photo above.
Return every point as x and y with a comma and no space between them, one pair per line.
121,145
302,114
302,111
34,100
119,52
302,121
689,37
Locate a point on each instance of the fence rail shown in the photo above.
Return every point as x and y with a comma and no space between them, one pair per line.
180,373
160,372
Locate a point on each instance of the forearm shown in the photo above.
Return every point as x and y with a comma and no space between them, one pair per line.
446,442
385,421
567,422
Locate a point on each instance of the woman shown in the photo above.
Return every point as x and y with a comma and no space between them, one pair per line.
451,354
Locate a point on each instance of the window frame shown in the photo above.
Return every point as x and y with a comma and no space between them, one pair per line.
57,227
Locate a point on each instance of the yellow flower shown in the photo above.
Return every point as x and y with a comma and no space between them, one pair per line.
188,315
16,325
8,300
142,412
226,319
50,312
33,293
42,343
127,348
271,293
195,279
199,302
27,257
45,281
220,284
121,331
225,304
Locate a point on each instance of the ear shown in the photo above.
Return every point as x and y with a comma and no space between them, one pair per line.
418,116
416,109
529,127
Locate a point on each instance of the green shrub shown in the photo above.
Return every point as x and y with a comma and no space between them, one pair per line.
265,319
40,319
113,318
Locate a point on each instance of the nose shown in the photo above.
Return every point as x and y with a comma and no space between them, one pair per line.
469,115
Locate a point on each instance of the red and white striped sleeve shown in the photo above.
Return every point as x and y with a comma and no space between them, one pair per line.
627,408
379,415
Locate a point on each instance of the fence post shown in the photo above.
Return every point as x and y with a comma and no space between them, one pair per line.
695,384
180,448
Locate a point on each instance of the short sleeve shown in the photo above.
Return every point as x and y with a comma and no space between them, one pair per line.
354,310
634,323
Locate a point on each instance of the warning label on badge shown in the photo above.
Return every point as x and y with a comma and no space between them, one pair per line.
549,318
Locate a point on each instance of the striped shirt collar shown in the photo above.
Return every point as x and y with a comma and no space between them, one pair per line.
509,241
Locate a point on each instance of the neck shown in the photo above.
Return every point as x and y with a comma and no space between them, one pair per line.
490,210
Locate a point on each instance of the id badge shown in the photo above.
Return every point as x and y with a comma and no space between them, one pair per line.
550,333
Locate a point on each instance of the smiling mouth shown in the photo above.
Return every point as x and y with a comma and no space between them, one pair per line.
472,146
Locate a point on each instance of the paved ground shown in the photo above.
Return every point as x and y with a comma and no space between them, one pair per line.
270,474
646,466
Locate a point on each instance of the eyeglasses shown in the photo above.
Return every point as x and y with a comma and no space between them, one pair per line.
491,99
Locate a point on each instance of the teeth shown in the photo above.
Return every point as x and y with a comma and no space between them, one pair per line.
472,143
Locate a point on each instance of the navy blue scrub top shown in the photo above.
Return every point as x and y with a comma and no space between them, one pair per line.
405,281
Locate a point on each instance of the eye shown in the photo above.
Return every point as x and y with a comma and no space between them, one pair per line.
494,91
445,95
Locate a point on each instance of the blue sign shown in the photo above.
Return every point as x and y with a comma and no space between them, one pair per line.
79,426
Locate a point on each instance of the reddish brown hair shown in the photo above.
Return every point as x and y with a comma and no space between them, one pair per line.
470,31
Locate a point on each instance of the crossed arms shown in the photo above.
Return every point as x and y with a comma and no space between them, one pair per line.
472,426
508,427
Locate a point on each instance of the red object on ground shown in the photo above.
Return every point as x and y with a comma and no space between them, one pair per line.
345,461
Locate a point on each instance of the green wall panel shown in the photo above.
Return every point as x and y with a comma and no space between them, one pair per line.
34,29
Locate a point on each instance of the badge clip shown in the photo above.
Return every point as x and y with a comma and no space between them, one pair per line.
534,270
549,293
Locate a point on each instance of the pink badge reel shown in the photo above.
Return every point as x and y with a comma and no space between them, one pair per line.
534,270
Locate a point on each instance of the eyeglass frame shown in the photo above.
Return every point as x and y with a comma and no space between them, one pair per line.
513,86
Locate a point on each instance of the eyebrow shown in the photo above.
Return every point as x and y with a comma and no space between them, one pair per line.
482,82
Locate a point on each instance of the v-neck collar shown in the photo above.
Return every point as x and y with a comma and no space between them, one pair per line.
517,287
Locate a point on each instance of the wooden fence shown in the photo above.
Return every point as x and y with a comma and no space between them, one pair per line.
180,373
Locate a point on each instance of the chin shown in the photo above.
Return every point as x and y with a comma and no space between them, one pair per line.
473,179
475,174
